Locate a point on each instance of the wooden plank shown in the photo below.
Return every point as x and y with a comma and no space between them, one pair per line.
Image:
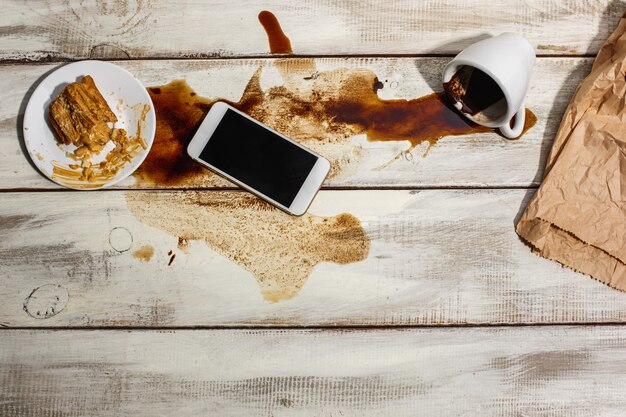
474,160
435,257
186,29
538,371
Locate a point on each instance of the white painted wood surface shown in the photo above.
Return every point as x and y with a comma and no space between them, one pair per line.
526,371
436,257
139,29
474,160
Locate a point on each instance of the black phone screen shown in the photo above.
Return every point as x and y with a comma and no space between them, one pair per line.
258,158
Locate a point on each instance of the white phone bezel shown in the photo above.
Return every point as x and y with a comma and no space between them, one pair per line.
307,191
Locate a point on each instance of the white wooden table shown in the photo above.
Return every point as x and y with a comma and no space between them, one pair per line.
443,312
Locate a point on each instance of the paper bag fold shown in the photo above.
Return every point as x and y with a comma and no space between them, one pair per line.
578,215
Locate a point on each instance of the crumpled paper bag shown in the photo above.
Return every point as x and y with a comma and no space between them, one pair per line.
578,215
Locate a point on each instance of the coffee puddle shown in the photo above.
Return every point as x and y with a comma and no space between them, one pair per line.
179,112
280,250
322,110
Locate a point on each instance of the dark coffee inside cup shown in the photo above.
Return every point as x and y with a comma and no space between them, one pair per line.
474,92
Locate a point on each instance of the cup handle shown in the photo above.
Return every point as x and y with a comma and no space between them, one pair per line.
518,126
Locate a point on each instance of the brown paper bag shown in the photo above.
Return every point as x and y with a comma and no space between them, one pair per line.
578,215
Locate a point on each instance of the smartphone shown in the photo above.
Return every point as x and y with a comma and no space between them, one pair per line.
258,159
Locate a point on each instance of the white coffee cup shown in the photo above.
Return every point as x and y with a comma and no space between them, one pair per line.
508,59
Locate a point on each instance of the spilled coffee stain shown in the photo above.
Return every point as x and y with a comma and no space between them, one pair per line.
322,110
279,250
279,42
144,253
179,112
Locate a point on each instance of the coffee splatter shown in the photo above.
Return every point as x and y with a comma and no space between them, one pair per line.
279,42
280,250
322,111
144,253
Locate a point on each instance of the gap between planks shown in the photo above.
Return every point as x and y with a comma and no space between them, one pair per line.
52,60
352,328
323,188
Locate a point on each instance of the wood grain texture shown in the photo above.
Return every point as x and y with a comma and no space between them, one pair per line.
476,160
538,371
435,257
51,30
429,257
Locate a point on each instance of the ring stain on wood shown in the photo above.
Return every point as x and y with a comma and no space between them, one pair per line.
280,250
46,301
120,239
108,51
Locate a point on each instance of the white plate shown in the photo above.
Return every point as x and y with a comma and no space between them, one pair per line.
123,92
